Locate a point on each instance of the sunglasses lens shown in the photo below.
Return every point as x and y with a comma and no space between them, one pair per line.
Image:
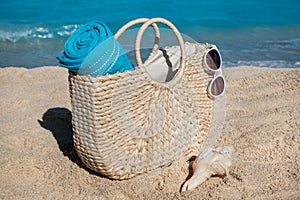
213,59
217,86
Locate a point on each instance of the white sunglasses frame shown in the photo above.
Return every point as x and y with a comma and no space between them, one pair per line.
217,73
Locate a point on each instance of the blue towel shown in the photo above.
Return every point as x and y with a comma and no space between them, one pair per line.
93,50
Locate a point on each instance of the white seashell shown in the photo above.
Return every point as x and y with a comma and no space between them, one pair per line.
211,162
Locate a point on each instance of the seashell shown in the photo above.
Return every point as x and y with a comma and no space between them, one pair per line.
213,161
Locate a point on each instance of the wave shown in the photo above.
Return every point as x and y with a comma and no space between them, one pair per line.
15,33
38,44
262,63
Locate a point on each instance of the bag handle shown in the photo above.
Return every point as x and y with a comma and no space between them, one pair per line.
139,21
151,22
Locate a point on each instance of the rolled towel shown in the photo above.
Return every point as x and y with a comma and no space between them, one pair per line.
92,49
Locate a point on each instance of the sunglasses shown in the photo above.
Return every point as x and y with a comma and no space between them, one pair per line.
213,62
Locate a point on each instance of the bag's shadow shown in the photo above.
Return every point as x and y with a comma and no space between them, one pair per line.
59,122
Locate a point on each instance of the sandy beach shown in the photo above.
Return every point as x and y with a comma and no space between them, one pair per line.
38,160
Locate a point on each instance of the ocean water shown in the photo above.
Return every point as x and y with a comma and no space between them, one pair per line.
249,32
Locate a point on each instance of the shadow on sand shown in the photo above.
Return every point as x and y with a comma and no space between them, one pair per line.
59,122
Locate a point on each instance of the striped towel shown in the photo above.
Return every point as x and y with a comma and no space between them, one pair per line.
92,49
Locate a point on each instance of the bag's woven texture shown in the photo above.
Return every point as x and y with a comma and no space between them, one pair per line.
126,124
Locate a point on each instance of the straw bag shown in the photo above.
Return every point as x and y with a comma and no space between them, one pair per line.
133,122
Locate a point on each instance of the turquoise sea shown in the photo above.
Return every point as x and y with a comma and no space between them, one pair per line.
249,32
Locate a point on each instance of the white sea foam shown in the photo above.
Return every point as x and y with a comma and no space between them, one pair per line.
262,63
14,36
66,30
16,33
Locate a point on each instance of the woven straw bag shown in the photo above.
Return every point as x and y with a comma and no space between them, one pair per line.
128,123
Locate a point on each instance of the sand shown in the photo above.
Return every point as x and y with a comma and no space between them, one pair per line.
38,160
